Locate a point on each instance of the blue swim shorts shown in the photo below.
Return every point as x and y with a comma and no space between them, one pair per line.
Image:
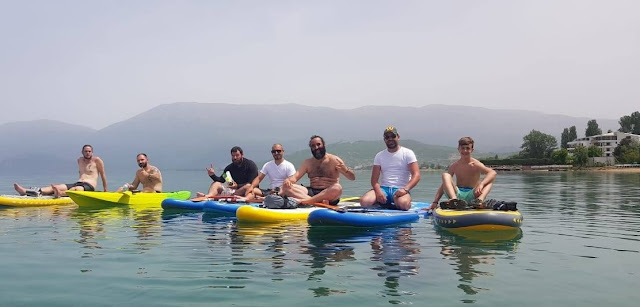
389,192
465,194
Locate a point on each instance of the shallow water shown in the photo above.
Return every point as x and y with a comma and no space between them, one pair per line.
579,244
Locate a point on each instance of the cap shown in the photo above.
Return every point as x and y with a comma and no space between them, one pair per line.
391,129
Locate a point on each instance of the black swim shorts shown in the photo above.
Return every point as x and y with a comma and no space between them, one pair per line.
313,192
84,185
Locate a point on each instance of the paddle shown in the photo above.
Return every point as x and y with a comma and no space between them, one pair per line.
228,198
323,205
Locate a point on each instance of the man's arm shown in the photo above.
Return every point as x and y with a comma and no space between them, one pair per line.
253,171
490,176
375,184
297,175
153,174
440,191
135,183
156,174
345,170
103,175
255,183
375,178
213,176
414,169
436,199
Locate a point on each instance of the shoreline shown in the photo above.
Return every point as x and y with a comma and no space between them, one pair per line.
631,170
612,169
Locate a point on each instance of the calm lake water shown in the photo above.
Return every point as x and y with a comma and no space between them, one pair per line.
579,245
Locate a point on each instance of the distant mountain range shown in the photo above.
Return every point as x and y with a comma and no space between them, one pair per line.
194,135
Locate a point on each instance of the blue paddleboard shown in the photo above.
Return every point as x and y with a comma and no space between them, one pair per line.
176,204
222,208
366,217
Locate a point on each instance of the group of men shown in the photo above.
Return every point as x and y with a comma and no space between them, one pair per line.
90,168
323,170
394,174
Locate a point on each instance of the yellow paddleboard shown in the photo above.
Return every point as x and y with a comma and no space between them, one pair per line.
30,201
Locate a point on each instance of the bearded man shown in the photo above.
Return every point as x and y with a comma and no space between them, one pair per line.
242,171
324,176
148,175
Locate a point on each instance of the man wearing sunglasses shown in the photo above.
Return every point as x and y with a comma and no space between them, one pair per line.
242,170
395,172
277,170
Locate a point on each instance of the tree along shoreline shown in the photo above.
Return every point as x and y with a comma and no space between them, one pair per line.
621,168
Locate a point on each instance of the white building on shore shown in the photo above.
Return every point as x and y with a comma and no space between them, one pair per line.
607,142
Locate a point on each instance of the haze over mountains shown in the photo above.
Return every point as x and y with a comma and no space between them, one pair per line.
194,135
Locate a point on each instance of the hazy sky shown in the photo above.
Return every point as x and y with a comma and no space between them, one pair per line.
95,63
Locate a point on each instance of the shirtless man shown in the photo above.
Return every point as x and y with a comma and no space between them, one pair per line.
467,170
324,171
148,175
89,168
277,170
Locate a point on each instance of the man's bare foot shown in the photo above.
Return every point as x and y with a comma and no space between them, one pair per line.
200,194
20,189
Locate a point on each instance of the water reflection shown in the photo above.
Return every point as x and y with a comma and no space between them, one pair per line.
148,226
94,222
393,254
573,191
52,213
264,249
470,250
395,251
327,247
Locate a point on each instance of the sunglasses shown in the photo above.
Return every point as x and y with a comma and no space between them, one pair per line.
276,151
389,136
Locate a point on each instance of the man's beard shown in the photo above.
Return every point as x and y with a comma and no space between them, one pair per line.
142,164
319,153
392,144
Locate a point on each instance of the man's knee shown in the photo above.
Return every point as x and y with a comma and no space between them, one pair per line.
333,191
337,188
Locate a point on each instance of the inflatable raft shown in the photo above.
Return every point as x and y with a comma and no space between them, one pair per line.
31,201
477,219
100,199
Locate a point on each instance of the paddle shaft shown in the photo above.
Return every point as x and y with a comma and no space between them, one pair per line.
323,205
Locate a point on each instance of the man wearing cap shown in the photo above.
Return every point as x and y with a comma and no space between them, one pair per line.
395,172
